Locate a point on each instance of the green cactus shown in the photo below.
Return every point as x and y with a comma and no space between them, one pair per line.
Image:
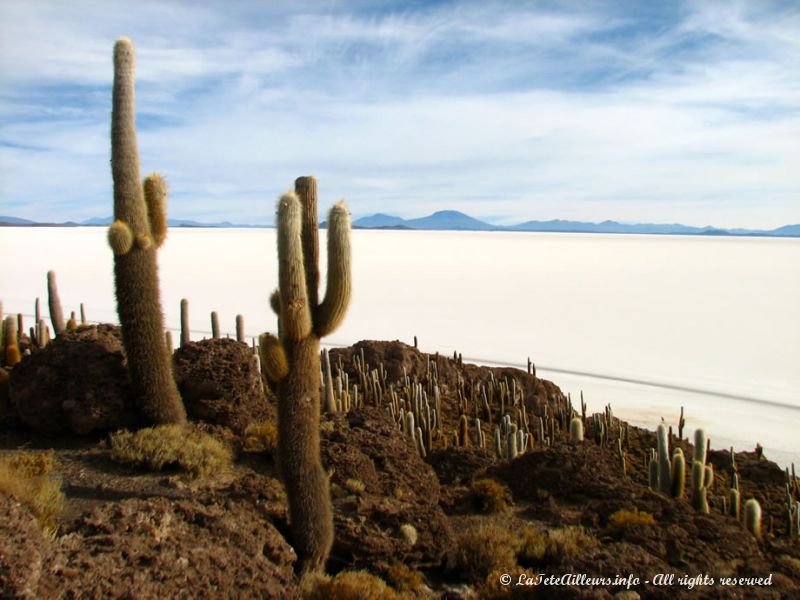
752,517
678,473
576,430
139,228
664,466
292,361
699,491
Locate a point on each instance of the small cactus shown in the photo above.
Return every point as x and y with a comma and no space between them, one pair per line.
11,353
185,331
734,503
752,517
664,466
700,445
699,500
678,473
576,430
54,302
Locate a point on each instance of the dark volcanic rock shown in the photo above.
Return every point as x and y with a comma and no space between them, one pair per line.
184,549
79,382
383,485
220,383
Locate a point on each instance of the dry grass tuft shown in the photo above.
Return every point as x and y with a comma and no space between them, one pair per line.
350,585
28,477
185,447
403,578
568,542
483,548
261,437
534,546
490,496
624,519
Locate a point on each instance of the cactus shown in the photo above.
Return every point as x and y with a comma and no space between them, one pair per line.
752,517
664,466
699,446
699,500
240,329
11,354
678,473
214,325
734,503
54,302
139,227
292,361
185,331
576,430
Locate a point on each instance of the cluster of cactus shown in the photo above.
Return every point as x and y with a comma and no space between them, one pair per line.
666,473
138,230
291,360
509,440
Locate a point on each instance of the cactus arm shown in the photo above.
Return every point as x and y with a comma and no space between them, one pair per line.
306,190
331,312
273,357
155,197
275,302
120,237
295,315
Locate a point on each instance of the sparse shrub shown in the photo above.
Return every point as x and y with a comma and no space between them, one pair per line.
260,437
791,563
354,486
181,446
490,496
403,578
534,546
29,477
483,548
624,519
350,585
567,543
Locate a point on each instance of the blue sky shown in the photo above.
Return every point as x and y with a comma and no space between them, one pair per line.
634,111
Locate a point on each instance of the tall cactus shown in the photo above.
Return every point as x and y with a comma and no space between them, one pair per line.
292,361
139,228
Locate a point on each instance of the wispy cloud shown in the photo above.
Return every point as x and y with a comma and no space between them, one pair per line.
632,111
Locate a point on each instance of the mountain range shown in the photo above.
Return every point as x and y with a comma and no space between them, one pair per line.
452,220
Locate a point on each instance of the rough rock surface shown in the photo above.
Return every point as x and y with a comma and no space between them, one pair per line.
26,556
78,383
220,383
380,484
156,548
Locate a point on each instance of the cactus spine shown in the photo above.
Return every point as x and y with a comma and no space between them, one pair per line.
134,236
292,362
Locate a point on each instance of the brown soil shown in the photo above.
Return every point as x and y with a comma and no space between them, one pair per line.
134,534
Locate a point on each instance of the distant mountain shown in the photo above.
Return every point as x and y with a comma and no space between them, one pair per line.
16,221
450,220
453,220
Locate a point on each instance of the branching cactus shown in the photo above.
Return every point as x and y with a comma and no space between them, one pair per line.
292,361
139,228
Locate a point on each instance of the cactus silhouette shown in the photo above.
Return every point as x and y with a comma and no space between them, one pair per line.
139,228
292,360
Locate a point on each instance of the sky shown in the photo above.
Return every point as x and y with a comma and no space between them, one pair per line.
657,112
